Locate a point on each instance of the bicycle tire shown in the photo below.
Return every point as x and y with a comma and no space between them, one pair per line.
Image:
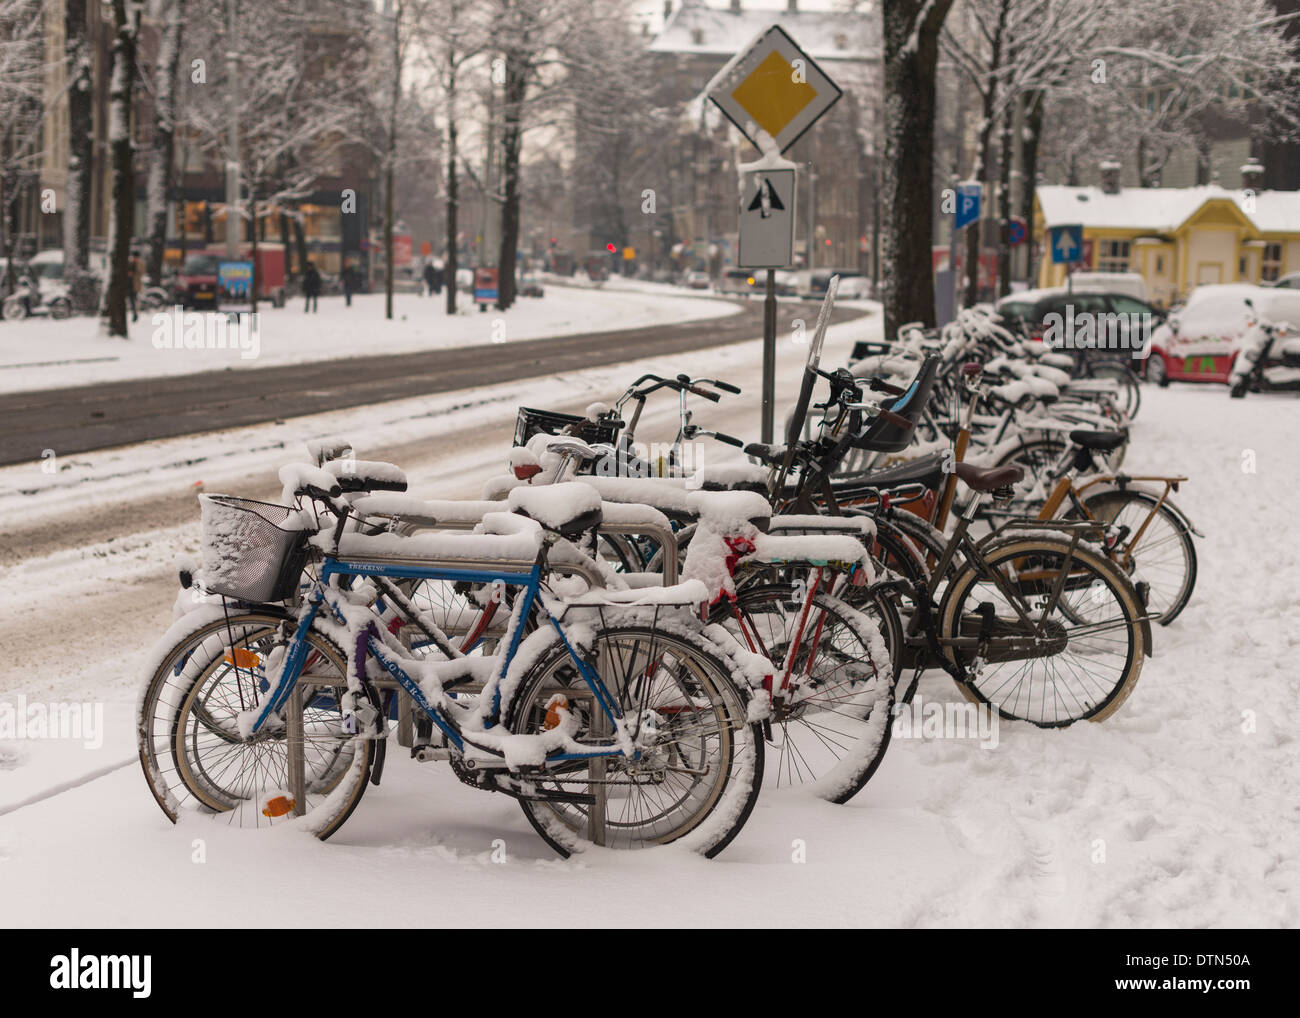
719,815
1110,695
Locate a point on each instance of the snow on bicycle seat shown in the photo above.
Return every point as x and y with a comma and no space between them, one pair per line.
988,479
501,536
567,509
731,510
1099,441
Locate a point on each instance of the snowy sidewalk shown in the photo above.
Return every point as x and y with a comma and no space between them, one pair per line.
1183,810
39,353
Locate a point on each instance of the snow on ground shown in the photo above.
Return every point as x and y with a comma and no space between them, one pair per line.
39,353
1183,810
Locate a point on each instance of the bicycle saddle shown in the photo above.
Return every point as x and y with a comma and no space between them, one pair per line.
988,479
568,509
1099,441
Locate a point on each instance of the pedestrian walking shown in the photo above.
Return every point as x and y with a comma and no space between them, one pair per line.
439,277
428,279
134,282
311,287
351,283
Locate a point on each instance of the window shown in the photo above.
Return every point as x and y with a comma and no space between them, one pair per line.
697,36
1160,265
1272,264
1112,256
1129,305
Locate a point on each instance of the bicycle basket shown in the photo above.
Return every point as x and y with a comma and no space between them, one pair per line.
247,555
532,422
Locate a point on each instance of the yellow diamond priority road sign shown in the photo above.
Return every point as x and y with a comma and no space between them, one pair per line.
773,87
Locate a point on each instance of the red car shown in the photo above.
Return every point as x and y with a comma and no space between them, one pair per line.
1200,341
197,284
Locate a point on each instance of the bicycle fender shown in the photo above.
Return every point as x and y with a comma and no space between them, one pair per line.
1146,489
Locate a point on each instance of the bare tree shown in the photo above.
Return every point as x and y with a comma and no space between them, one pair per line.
911,36
452,36
21,80
159,186
126,30
83,286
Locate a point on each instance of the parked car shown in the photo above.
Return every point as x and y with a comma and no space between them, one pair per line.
197,281
696,280
741,281
530,286
1030,308
813,284
1200,342
1130,283
1291,281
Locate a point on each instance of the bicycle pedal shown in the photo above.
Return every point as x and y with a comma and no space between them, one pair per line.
427,754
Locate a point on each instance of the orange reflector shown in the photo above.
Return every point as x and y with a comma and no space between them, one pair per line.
241,657
557,704
278,806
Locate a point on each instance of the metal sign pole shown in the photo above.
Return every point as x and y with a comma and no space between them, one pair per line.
769,356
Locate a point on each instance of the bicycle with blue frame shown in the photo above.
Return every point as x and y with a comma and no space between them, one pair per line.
615,721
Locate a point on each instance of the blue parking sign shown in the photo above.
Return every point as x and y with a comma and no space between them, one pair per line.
968,203
1067,244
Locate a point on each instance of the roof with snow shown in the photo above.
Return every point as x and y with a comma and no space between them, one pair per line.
823,35
1163,209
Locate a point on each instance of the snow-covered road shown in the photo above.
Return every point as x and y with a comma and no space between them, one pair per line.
1183,810
38,353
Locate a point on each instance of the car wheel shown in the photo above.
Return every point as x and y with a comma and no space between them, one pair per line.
14,309
1156,370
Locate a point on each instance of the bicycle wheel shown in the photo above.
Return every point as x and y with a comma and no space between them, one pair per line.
701,765
1130,391
1079,661
835,733
1164,556
194,757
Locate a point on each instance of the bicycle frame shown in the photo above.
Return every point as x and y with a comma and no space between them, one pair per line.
531,584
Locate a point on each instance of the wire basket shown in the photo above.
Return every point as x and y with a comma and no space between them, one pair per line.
532,422
247,555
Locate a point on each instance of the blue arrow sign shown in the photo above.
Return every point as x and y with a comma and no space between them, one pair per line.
1067,243
968,204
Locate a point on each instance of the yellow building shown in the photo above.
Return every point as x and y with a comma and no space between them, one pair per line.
1175,238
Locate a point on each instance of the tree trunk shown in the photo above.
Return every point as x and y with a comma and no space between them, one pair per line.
82,287
252,285
1033,132
516,88
450,265
158,189
911,30
1004,202
389,158
983,155
299,241
286,245
122,161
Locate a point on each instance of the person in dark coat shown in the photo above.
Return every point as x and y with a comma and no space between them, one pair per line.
438,278
311,287
351,283
428,279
